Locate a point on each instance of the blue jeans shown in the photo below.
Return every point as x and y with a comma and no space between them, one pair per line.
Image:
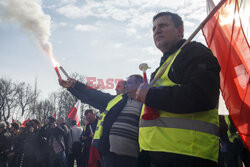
62,159
59,160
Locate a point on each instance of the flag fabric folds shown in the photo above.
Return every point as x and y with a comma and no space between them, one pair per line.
227,35
74,114
94,157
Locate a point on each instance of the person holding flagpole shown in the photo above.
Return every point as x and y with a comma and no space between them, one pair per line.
185,96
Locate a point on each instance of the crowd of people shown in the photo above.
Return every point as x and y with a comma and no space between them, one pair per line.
185,130
54,144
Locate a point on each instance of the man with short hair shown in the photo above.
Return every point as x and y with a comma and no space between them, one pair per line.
89,132
186,98
61,123
120,87
56,143
116,135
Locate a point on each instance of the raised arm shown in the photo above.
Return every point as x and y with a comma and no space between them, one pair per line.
93,97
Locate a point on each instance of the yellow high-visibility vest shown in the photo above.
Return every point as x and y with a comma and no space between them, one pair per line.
231,136
192,134
99,127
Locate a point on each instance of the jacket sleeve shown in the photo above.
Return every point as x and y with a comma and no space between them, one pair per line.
61,132
93,97
197,76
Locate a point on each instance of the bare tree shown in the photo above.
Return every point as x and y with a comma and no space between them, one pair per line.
8,96
44,110
25,97
65,103
33,105
18,99
64,100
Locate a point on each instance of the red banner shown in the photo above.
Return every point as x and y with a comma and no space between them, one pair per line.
225,36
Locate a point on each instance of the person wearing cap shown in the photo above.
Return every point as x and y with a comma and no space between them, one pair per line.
4,144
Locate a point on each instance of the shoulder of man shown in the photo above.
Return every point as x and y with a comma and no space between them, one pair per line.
196,52
196,47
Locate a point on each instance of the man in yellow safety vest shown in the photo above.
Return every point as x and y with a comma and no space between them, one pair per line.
186,98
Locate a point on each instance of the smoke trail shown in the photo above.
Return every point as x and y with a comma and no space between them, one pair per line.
30,16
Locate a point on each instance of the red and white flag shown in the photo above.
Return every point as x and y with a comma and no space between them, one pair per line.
74,114
227,34
25,122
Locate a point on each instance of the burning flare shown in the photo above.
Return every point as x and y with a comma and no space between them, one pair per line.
29,14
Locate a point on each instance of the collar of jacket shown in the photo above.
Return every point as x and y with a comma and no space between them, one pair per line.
172,50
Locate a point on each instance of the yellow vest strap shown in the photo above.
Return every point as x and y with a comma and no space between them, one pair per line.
182,123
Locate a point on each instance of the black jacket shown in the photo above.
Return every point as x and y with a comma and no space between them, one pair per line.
197,72
4,144
59,135
87,132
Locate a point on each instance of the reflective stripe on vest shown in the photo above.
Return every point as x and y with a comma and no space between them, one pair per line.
99,127
193,134
182,123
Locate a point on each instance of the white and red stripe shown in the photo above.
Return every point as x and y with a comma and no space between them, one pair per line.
74,114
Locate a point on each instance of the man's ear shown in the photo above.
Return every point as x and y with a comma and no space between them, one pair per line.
181,31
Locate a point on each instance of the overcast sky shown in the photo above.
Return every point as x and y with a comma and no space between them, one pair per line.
95,38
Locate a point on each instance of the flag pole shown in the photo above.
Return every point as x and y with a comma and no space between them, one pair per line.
215,9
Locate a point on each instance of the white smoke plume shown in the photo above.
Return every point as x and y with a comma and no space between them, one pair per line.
29,14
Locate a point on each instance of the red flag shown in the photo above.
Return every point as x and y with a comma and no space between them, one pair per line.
54,114
226,35
74,114
25,122
94,157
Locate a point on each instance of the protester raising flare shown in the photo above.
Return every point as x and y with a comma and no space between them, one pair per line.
116,135
185,96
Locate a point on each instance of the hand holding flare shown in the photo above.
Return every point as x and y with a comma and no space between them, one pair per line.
149,113
58,73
